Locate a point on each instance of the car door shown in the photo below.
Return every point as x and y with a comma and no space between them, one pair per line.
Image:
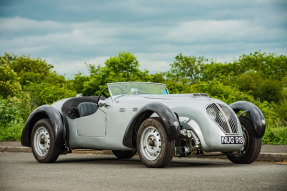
92,125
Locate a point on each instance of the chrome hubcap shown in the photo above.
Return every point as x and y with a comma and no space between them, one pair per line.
42,141
151,143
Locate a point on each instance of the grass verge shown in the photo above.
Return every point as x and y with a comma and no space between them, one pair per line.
275,135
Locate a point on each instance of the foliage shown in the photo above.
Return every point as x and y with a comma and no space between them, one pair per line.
78,82
186,69
48,93
220,91
36,79
13,113
120,68
260,78
12,99
276,133
281,110
10,109
272,66
9,81
12,132
25,84
25,66
264,89
268,65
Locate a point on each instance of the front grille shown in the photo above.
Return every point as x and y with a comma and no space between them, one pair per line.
224,117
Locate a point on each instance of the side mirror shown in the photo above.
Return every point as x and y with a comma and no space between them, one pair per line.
101,103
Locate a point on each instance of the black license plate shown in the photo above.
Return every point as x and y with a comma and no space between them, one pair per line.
231,140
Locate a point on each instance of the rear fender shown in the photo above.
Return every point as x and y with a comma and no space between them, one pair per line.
169,119
45,111
254,113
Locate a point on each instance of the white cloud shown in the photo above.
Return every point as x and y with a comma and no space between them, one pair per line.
69,67
212,31
69,35
18,24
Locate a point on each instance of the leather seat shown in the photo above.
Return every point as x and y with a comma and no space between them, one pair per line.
87,108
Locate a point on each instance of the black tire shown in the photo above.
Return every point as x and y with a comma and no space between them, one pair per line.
124,154
252,145
154,147
43,142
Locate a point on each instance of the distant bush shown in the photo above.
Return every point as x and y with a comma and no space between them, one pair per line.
13,131
12,119
281,110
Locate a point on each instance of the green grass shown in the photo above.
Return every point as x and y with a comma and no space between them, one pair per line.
275,134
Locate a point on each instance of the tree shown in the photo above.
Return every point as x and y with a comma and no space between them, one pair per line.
249,82
186,69
36,79
270,90
78,82
14,102
120,68
281,110
223,72
216,89
28,69
254,84
9,81
48,93
124,64
272,66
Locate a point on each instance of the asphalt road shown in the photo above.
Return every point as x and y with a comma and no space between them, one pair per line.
20,171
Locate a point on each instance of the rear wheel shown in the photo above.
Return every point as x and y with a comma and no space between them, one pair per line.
252,145
153,145
43,142
124,154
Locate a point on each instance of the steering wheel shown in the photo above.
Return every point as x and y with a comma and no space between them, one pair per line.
105,95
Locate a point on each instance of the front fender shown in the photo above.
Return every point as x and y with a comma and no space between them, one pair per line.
45,111
168,118
254,113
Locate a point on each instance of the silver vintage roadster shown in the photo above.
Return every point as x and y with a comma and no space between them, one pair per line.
130,117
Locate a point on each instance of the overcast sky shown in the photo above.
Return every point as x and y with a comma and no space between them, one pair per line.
68,33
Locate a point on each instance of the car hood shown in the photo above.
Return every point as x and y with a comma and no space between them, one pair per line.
171,100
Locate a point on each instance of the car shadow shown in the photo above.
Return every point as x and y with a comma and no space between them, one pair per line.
175,163
100,161
199,163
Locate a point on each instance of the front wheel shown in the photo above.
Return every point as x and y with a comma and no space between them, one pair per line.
252,145
43,142
153,145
